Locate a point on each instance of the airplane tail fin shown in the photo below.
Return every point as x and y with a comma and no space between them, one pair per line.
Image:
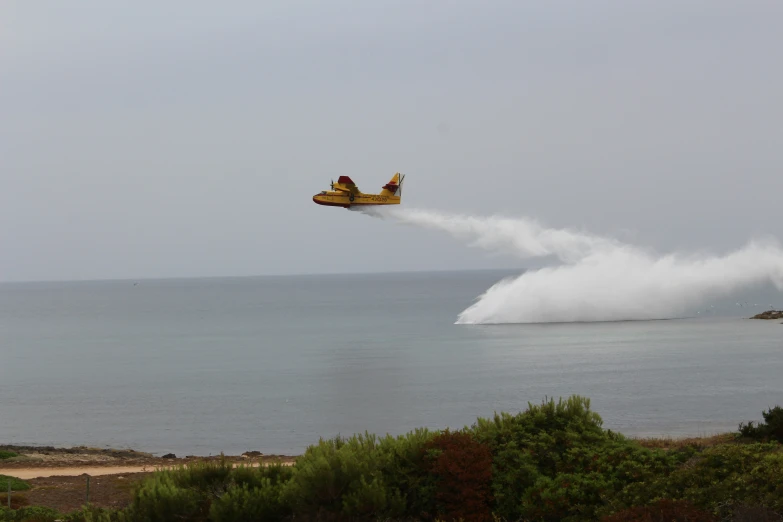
394,186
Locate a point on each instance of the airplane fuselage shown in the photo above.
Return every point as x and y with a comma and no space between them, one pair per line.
341,199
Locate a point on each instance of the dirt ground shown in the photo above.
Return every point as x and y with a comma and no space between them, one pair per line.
58,476
67,493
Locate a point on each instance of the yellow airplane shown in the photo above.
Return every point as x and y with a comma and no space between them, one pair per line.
346,194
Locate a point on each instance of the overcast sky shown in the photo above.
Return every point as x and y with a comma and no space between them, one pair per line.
182,138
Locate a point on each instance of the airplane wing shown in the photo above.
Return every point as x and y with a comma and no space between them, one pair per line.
345,184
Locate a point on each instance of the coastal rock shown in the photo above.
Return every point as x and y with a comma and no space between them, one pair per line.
251,454
169,456
769,314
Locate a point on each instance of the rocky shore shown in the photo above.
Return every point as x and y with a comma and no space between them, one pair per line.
769,314
51,457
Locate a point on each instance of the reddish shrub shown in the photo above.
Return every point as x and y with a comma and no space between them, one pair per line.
18,501
744,513
462,467
665,510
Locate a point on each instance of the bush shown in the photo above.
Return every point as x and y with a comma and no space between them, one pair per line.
554,461
254,494
7,455
18,501
405,470
355,477
243,503
95,514
726,476
529,445
665,510
747,513
29,514
192,491
160,499
720,479
210,478
275,474
16,484
770,430
462,469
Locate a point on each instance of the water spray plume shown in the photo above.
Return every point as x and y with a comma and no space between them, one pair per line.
599,278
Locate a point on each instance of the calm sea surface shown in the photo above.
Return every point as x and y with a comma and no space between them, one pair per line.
272,363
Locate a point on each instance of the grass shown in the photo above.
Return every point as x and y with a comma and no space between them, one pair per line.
127,484
16,484
7,455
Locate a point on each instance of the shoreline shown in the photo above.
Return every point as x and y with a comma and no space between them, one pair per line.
35,462
49,461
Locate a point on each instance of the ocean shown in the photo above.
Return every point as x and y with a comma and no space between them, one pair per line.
200,366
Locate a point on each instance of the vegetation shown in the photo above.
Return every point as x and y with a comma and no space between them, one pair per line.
44,514
7,455
552,462
16,484
769,430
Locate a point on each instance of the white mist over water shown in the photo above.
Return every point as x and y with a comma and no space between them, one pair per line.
598,278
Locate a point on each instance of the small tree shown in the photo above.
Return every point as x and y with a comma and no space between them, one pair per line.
770,429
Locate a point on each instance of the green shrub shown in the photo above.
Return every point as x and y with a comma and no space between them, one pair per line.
769,430
256,477
720,479
243,503
210,490
528,446
554,461
363,476
95,514
253,494
16,484
725,476
190,490
566,497
160,499
210,478
29,514
405,470
45,514
7,455
343,478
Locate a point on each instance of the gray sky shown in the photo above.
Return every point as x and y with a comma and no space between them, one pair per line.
182,138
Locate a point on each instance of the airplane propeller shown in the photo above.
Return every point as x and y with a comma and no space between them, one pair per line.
332,184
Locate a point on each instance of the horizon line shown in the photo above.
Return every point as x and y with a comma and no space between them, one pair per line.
252,276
